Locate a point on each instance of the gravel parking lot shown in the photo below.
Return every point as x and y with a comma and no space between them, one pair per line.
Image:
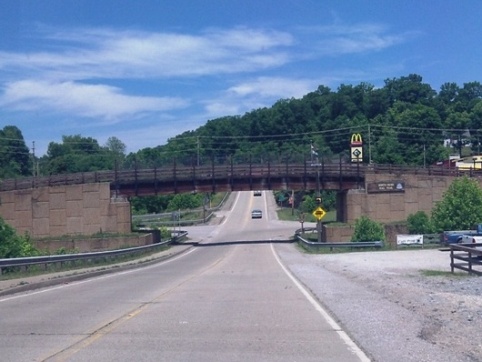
400,305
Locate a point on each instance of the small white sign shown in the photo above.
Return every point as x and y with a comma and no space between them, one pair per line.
409,239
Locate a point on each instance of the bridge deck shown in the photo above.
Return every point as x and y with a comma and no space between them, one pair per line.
212,178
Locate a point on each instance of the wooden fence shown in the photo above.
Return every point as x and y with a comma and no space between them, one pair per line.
467,257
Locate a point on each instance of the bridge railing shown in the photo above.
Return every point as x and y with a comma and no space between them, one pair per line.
200,172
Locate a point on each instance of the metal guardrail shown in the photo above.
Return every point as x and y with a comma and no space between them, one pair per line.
54,259
466,257
316,245
156,219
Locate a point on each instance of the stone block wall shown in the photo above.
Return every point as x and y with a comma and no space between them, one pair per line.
83,209
421,192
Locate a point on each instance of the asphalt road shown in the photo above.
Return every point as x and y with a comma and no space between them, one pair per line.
228,299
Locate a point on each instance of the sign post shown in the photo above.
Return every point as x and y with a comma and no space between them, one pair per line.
356,148
302,220
319,213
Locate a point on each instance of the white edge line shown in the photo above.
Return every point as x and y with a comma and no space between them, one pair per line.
232,207
343,335
89,280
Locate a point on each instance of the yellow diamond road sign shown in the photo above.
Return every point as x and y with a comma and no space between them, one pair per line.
319,213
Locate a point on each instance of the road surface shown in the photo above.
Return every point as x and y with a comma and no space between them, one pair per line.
228,299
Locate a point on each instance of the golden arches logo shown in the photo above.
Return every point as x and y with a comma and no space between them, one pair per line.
356,139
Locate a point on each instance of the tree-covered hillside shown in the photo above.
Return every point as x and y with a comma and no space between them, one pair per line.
403,122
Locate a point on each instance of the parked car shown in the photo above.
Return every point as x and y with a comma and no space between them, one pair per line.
256,214
257,193
462,236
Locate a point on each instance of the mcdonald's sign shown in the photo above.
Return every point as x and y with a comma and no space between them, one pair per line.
356,148
356,139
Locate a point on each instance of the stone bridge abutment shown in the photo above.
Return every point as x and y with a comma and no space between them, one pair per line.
82,209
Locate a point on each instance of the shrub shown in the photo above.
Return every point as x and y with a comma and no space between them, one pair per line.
13,245
368,230
419,223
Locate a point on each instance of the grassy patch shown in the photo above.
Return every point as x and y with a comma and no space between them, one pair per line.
441,273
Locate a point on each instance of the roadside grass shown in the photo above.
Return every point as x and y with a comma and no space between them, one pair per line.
441,273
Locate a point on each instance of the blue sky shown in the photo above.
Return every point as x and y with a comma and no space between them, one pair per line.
145,71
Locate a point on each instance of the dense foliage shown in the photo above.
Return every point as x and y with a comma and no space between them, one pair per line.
82,154
368,230
305,201
419,223
15,159
460,207
404,122
13,245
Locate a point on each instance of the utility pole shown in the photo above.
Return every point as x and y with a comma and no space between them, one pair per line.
424,156
311,152
292,202
369,145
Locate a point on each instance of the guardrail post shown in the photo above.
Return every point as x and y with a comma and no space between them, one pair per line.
452,260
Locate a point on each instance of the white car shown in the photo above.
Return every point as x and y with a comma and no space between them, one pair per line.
256,214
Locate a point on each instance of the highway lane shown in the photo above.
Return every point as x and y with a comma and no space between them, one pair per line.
227,300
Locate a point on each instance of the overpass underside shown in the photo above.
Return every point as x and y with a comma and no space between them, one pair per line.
240,183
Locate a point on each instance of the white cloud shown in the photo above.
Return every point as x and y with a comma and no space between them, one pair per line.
93,53
68,71
84,100
274,87
351,39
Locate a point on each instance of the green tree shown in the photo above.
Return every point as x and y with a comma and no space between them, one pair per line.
409,89
368,230
150,204
117,149
12,245
15,159
185,201
82,154
460,207
308,205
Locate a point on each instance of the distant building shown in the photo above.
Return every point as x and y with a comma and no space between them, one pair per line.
462,164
